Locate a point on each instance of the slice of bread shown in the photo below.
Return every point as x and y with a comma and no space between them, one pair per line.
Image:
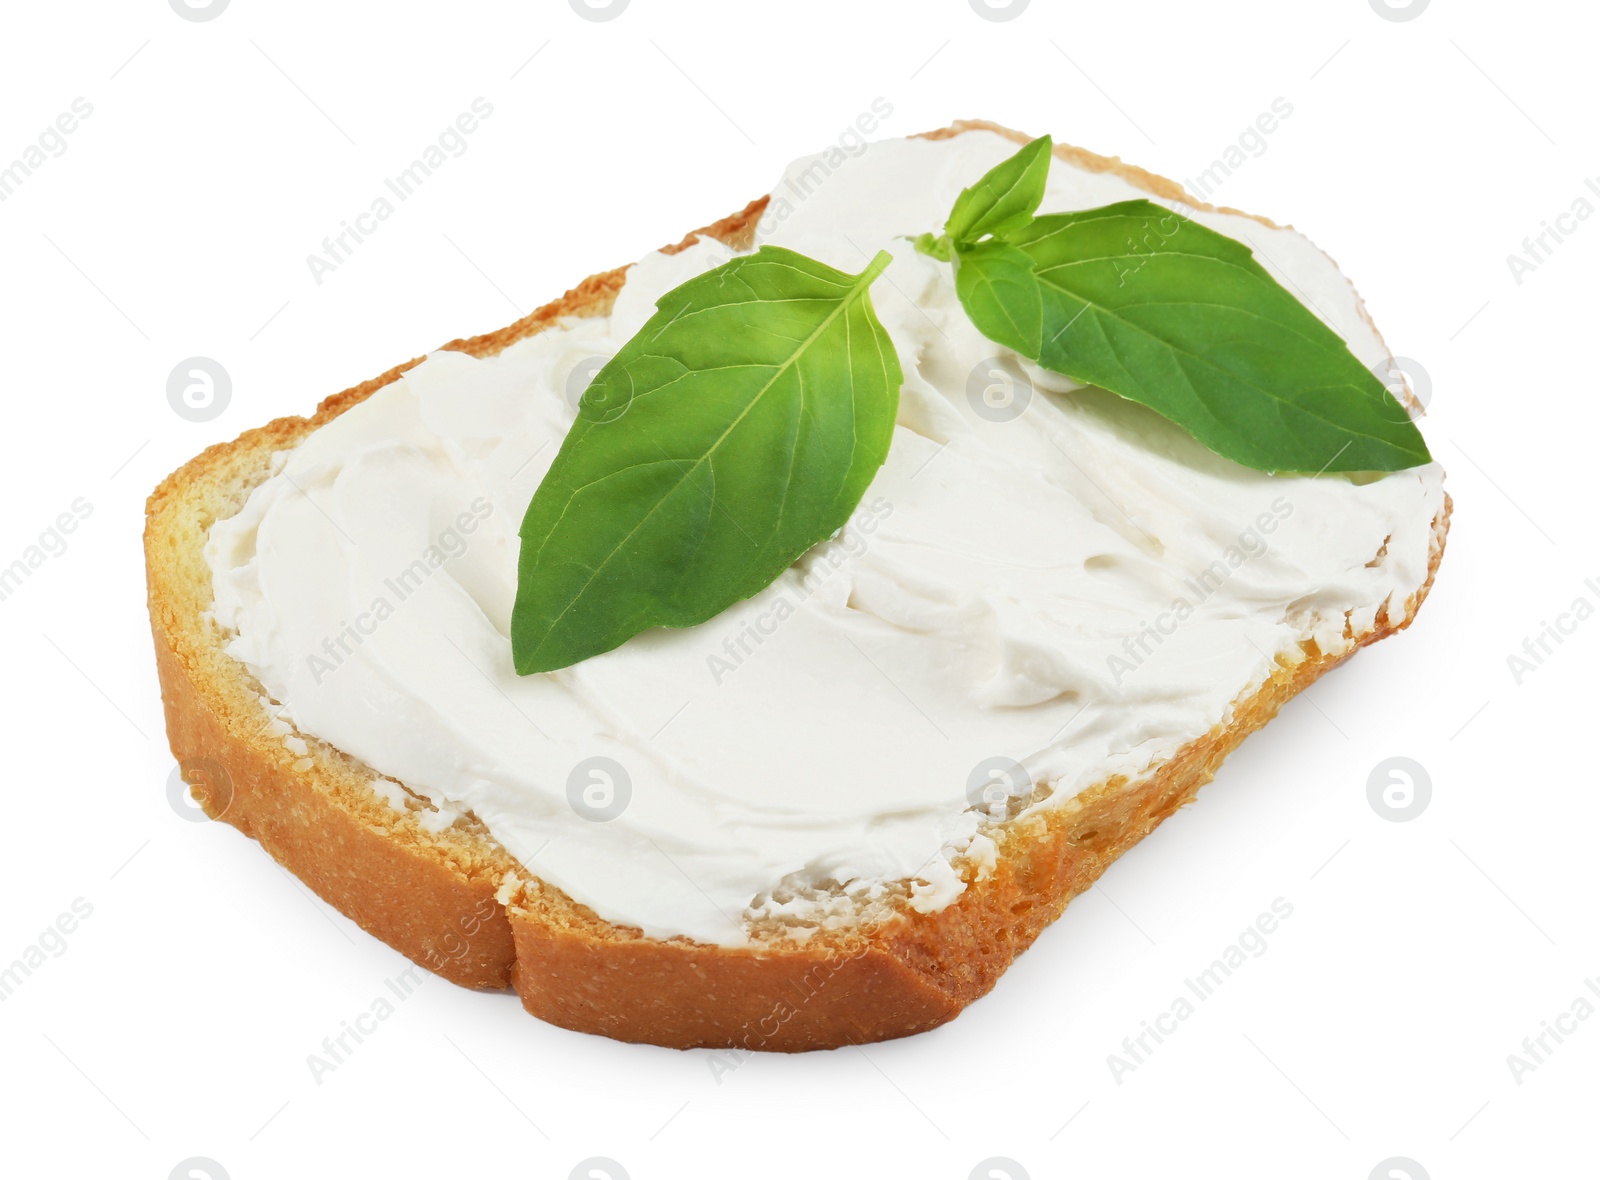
449,897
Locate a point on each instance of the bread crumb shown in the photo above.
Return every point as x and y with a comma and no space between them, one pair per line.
508,888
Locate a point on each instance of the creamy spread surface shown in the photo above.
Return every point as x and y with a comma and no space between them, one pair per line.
1040,576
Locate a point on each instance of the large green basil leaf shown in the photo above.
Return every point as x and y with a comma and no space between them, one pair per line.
1161,310
737,429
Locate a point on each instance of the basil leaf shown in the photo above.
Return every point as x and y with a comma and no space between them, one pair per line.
1004,198
1163,311
737,429
998,291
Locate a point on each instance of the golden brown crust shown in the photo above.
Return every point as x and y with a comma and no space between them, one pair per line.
433,895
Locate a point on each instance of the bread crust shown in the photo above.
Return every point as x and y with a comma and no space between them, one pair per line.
457,903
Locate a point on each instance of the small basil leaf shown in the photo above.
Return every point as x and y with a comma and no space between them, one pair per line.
998,290
1004,198
1152,306
737,429
933,247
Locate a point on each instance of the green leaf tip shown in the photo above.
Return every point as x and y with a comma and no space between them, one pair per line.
933,247
1004,198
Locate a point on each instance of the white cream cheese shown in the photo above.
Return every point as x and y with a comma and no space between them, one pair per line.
1080,588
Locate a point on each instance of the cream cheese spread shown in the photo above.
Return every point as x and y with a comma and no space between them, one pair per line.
1043,585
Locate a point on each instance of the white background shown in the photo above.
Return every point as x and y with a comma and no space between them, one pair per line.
178,1019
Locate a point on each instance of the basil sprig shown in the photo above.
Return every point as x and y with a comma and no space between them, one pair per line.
743,423
737,429
1143,302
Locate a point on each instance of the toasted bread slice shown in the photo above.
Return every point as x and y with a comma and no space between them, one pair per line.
452,899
